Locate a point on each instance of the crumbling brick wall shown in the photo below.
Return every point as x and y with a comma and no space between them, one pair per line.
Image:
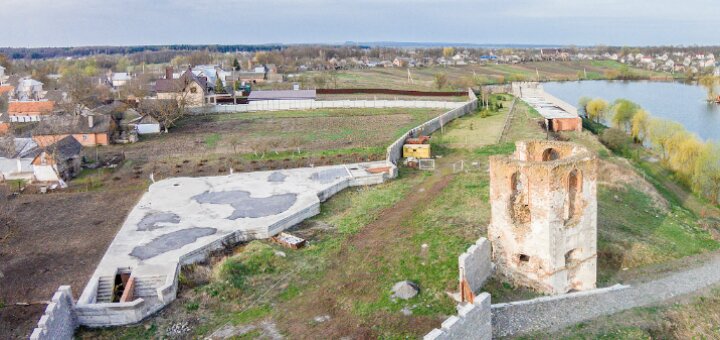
544,216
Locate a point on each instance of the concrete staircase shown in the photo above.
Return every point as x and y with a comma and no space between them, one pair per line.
105,289
146,286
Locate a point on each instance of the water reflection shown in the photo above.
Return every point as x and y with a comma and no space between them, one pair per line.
683,103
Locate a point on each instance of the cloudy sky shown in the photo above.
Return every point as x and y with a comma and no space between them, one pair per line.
32,23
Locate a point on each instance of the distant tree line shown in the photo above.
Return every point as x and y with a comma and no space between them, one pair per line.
64,52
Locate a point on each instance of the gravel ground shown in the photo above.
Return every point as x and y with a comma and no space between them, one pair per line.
554,313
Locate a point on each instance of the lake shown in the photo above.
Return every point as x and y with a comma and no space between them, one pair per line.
679,102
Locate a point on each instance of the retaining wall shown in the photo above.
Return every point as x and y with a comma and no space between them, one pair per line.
309,104
473,321
394,151
59,321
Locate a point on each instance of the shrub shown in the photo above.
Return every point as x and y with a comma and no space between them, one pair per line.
256,258
616,140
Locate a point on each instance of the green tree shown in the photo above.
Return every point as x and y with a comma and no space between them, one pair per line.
596,109
709,82
685,152
441,80
706,178
582,103
219,88
236,65
639,125
623,112
661,132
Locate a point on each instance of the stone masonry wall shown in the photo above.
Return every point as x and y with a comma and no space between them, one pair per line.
474,321
59,321
544,216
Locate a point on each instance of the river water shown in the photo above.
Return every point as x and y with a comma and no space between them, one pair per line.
679,102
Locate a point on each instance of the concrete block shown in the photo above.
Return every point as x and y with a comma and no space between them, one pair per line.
475,266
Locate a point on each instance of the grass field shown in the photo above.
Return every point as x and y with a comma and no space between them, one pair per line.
413,228
460,77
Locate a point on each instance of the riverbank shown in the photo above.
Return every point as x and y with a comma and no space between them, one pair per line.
677,101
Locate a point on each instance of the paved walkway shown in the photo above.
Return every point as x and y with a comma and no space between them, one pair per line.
554,313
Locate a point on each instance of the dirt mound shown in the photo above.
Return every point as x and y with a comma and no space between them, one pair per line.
623,175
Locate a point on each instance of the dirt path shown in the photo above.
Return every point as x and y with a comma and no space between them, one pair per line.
353,276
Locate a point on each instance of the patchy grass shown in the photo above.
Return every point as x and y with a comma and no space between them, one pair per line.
212,140
694,318
474,130
633,233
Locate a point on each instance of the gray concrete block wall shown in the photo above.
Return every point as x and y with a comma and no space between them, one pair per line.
394,151
474,321
476,264
521,317
59,321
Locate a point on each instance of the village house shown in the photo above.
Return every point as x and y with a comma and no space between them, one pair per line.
30,111
23,159
139,123
28,89
3,77
188,87
119,79
87,129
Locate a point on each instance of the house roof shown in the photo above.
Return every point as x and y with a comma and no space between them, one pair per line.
31,107
72,124
282,95
171,85
63,149
146,119
6,88
19,148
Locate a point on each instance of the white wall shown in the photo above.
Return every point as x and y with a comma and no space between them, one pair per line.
281,105
146,129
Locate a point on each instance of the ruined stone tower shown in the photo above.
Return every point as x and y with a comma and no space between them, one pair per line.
544,216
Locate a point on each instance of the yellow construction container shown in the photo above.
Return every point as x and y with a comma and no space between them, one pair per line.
416,150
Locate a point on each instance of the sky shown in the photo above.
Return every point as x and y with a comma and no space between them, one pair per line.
40,23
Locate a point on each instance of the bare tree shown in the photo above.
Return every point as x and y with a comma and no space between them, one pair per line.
166,111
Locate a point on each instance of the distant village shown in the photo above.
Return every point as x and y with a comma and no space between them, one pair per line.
51,108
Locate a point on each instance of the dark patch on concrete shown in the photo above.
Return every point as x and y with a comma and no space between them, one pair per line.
276,177
329,175
246,206
170,241
152,220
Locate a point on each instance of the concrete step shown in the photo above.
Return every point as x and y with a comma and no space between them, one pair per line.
105,289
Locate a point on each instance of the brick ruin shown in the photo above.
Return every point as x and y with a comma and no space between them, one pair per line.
544,216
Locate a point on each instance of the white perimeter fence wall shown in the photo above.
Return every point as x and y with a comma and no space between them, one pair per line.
282,105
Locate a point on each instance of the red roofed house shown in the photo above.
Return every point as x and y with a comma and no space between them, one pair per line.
6,89
29,111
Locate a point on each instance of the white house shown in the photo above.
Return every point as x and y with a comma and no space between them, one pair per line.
23,159
119,79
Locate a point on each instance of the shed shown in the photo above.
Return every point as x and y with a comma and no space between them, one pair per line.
146,125
416,150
